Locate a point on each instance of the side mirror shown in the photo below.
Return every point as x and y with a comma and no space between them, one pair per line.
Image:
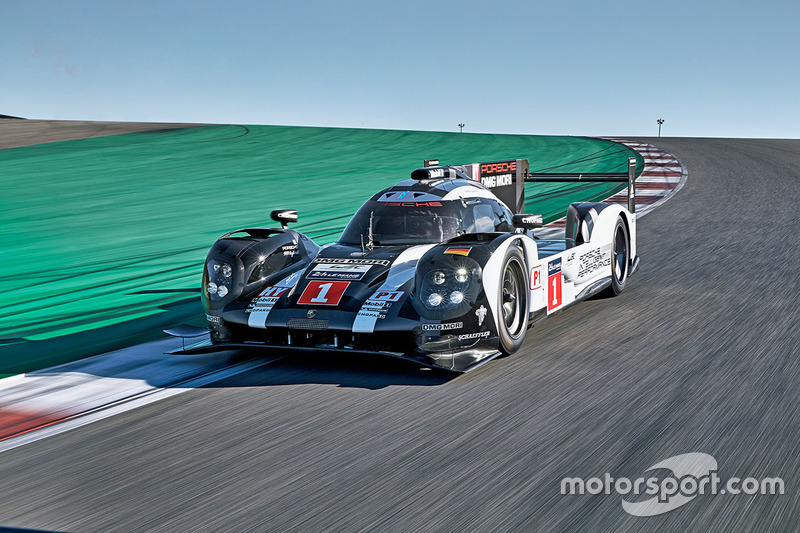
527,221
284,216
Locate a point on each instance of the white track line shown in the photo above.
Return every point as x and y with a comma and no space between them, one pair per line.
133,402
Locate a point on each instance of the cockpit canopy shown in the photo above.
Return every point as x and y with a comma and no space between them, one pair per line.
425,222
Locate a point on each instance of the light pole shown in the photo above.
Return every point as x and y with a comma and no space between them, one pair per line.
461,127
660,122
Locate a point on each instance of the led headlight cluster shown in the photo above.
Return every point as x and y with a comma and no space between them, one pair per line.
220,279
448,291
445,289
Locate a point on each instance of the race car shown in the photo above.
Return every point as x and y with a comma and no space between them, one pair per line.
437,269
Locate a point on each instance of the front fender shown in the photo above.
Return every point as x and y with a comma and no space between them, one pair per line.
258,257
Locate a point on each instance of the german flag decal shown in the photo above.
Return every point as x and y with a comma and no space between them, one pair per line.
458,251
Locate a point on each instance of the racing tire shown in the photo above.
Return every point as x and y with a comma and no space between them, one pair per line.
512,322
620,258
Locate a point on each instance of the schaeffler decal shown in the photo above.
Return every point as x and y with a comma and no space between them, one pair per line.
323,293
479,335
442,327
481,314
458,251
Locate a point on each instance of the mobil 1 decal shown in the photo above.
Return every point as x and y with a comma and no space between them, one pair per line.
554,285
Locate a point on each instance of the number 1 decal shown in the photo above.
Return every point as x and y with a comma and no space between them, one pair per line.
553,285
323,293
322,297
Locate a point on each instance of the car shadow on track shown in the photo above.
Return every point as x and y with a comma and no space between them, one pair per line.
343,370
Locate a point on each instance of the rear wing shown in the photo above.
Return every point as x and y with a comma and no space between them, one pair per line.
506,179
593,177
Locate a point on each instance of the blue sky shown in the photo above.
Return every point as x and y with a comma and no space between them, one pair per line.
574,67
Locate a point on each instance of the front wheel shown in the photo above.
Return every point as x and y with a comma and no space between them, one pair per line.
513,301
620,258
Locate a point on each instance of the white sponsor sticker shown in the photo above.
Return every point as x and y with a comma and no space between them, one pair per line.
442,327
373,305
338,271
371,314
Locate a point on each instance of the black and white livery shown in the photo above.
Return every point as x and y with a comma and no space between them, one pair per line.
436,269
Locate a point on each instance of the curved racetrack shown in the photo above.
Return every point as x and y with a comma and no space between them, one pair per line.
699,354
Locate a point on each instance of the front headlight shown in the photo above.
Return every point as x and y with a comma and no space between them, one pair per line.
447,291
220,279
435,300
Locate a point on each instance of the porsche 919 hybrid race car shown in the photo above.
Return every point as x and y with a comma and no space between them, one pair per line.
436,269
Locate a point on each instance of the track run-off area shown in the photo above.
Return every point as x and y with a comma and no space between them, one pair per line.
697,355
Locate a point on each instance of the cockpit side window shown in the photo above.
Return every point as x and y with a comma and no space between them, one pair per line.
486,216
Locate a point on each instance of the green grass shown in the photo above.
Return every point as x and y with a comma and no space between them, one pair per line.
103,239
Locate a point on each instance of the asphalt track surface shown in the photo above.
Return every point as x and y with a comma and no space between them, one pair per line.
699,354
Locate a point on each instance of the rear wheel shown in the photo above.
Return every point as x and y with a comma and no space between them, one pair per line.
513,301
620,258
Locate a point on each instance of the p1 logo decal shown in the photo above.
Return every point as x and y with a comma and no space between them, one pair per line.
554,285
323,293
387,296
536,277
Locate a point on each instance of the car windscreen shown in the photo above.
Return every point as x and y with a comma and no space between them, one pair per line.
404,223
